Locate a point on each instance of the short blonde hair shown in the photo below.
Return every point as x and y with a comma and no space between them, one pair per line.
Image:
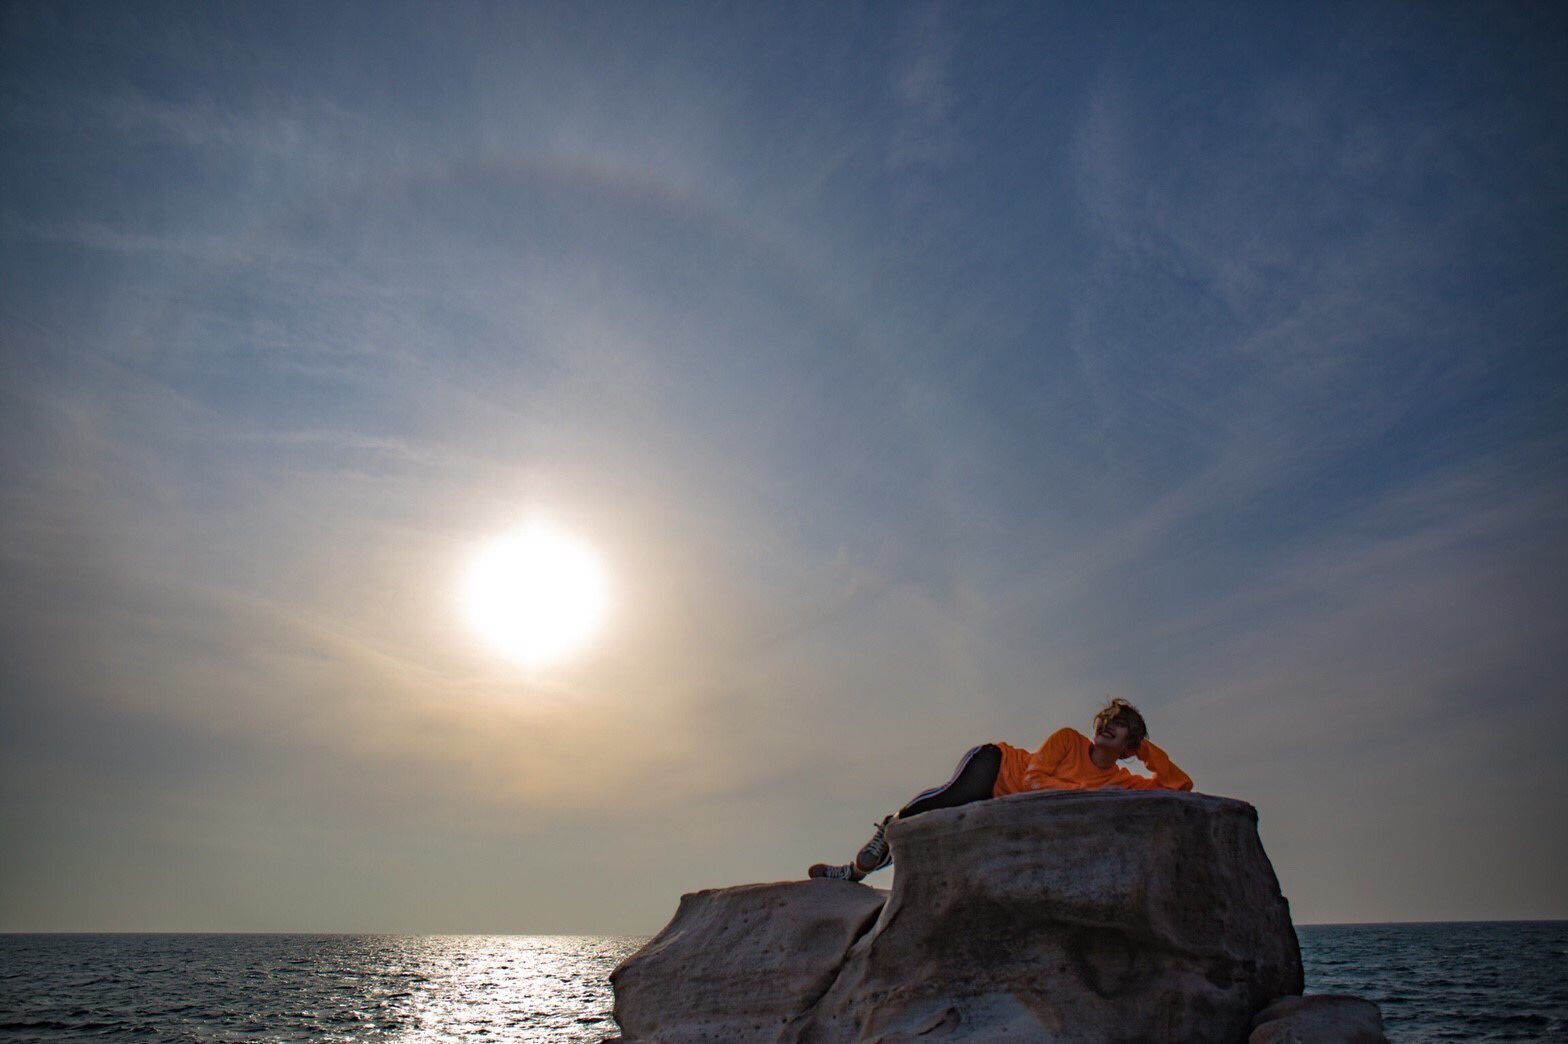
1122,712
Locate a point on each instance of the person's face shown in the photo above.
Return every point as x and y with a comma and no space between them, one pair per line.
1113,736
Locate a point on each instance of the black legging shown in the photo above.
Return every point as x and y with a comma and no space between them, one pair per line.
973,780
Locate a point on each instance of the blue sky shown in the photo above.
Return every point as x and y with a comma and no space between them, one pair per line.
924,374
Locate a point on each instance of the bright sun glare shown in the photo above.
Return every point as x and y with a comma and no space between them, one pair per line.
536,595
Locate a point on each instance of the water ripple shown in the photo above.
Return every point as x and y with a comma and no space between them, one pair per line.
1480,981
298,988
1500,982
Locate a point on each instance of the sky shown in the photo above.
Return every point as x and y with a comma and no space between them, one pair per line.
921,374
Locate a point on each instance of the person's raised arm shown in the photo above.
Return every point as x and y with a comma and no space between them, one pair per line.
1166,775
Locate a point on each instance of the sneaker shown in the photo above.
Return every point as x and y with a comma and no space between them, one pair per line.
840,872
875,854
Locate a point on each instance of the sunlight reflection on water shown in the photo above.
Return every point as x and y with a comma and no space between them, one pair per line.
1461,982
283,988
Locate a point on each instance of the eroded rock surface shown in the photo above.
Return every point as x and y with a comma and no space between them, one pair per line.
1323,1018
1097,916
1071,916
737,964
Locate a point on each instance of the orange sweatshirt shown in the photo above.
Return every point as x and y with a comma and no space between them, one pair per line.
1062,763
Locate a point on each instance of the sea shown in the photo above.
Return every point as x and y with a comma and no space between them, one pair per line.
1476,981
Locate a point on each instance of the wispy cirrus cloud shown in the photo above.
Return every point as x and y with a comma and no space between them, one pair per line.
919,393
920,79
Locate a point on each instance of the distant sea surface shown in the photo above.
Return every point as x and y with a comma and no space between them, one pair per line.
1494,981
1476,980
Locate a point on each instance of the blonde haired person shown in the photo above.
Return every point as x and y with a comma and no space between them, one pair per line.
1068,760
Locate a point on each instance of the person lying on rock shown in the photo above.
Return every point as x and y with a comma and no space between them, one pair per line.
1069,760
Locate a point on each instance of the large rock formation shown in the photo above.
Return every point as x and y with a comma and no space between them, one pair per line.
1057,916
1081,915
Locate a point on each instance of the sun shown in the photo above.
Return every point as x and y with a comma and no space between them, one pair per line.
536,595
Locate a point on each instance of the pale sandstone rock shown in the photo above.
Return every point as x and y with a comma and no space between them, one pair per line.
1098,916
1093,916
736,964
1323,1018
